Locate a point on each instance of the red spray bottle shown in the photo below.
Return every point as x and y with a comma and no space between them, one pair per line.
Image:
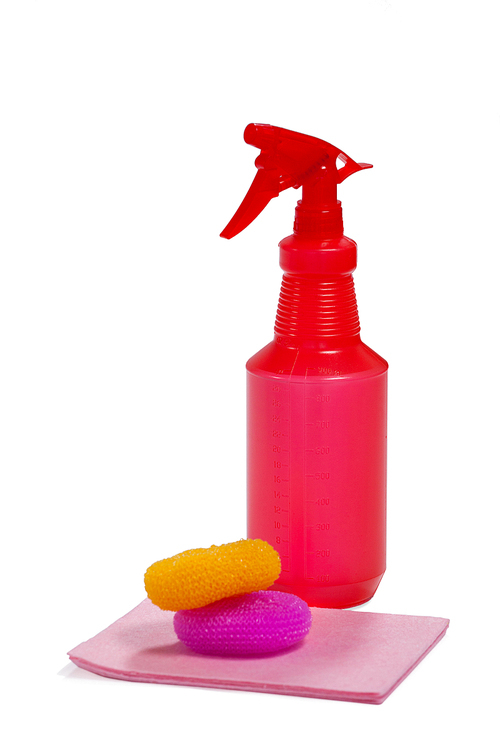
316,395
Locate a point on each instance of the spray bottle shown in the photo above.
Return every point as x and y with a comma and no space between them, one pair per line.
316,395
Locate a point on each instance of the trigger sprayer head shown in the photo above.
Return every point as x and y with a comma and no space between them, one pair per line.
289,159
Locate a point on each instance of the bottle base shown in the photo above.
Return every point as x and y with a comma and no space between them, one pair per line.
334,597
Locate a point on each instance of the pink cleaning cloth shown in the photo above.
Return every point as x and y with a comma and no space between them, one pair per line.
347,655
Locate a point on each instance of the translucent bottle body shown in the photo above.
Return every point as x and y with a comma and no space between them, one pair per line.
317,454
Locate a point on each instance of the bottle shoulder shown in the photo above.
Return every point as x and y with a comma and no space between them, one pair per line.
356,360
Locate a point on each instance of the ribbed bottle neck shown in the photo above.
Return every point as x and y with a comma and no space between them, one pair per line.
317,309
318,223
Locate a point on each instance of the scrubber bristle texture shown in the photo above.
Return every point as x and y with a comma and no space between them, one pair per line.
199,577
257,623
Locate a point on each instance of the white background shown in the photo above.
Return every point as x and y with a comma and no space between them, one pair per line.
126,323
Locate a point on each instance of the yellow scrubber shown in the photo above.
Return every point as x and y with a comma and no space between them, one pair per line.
198,577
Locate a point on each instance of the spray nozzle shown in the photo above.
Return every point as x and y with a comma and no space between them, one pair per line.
289,159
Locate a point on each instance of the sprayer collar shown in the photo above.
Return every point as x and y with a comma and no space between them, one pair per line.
303,255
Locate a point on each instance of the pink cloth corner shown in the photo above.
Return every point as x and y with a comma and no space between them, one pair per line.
348,655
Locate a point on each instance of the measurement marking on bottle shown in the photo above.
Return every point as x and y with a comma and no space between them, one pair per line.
317,457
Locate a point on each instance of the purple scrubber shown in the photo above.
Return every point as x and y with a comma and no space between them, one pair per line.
256,623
